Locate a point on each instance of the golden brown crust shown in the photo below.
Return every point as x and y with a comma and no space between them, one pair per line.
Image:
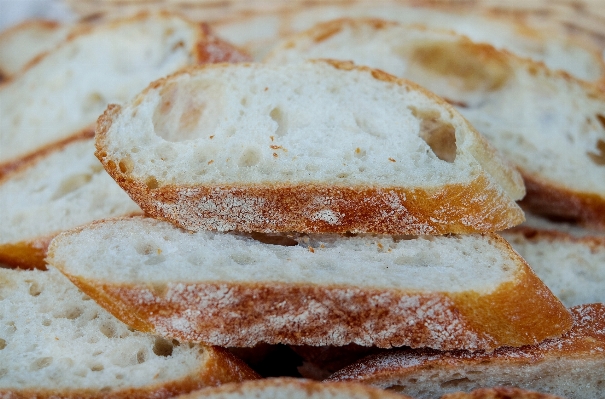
586,340
28,254
499,393
250,389
244,314
544,198
219,367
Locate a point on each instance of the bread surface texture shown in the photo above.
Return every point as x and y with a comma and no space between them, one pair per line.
57,342
62,190
64,91
571,366
232,290
550,125
572,267
275,388
500,393
316,147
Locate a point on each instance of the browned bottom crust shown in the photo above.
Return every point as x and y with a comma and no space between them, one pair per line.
499,393
242,315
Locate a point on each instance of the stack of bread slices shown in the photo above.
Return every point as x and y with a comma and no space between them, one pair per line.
311,200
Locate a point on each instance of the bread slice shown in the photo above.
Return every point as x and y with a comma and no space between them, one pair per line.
56,342
500,393
572,267
571,366
62,190
21,43
316,147
231,290
551,126
64,92
295,388
537,222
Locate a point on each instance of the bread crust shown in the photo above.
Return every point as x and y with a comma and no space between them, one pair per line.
585,342
500,393
245,314
220,367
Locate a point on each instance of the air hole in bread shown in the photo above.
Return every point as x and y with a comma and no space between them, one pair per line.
455,383
2,343
141,356
601,119
71,184
152,183
97,367
41,363
126,165
155,260
598,157
242,258
274,239
69,313
439,135
280,118
10,327
119,376
108,329
162,347
472,70
397,388
46,322
250,157
35,289
366,127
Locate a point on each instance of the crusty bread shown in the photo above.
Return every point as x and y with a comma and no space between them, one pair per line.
316,147
292,388
538,222
521,30
63,93
64,189
57,343
551,126
572,267
500,393
468,291
21,43
571,366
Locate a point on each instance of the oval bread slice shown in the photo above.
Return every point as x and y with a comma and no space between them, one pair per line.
550,125
467,291
570,366
57,343
316,147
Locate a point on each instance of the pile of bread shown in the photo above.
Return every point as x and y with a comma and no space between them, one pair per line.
400,210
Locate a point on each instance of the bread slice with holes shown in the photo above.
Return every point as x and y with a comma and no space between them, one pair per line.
294,388
551,126
571,366
62,94
59,191
316,147
56,342
467,291
21,43
572,267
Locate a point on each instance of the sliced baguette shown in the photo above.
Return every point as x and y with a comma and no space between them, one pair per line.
292,388
573,268
551,126
57,343
468,291
571,366
62,190
21,43
64,91
317,147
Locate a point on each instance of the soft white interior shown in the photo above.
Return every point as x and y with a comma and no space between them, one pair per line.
308,123
147,250
574,271
547,125
65,189
52,336
70,87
